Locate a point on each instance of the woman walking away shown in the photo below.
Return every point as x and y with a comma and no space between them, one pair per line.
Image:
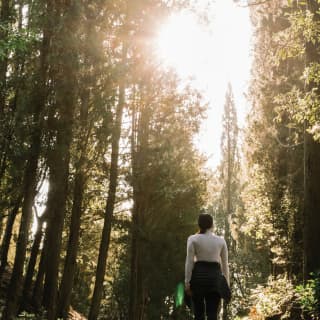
206,270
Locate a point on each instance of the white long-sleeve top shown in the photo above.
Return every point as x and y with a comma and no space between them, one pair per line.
206,247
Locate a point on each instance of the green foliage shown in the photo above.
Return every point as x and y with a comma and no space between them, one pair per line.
18,41
273,194
308,295
299,103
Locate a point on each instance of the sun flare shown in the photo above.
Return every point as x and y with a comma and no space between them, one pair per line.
181,43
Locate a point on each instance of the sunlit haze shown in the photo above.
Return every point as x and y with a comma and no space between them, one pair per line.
213,55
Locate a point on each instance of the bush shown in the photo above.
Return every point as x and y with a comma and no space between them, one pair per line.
308,296
276,298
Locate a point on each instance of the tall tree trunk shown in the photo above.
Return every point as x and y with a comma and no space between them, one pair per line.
312,174
139,147
134,267
70,262
56,206
135,221
228,165
38,285
7,236
113,181
311,206
27,289
73,244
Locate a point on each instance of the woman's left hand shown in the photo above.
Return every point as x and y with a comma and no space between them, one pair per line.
188,290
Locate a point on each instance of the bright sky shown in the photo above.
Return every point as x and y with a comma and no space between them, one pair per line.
214,55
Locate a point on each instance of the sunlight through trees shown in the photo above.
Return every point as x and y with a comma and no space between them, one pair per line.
102,175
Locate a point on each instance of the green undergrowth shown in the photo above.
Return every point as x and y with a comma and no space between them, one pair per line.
309,296
281,299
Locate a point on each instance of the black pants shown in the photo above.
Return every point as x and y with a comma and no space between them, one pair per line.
206,304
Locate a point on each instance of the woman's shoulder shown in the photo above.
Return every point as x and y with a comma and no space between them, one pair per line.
193,237
219,238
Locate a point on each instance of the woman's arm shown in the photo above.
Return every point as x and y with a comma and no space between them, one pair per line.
224,261
189,261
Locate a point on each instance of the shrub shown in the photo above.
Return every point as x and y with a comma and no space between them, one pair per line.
308,296
276,298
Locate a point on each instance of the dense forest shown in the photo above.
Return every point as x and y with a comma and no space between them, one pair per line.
101,182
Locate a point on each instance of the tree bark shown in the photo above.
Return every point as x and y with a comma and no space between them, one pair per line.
134,267
311,206
139,147
135,221
7,236
312,173
32,263
73,244
38,285
113,181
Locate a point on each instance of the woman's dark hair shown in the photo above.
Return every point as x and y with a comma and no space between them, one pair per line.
205,222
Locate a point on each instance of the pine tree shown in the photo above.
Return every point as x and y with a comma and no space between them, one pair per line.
229,172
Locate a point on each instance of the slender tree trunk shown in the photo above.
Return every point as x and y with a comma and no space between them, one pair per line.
7,236
79,185
70,262
113,181
139,147
311,206
136,303
312,174
135,221
134,268
27,289
36,299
